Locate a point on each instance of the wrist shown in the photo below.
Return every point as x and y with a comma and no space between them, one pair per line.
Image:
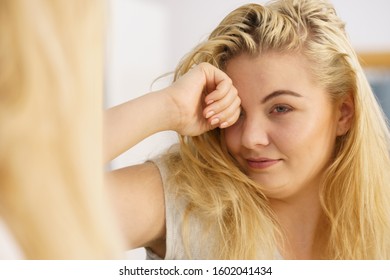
170,116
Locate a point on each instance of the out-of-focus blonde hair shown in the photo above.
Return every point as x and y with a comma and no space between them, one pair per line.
356,193
51,84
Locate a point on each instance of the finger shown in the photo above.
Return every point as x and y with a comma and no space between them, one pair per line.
232,120
228,116
220,105
219,91
214,76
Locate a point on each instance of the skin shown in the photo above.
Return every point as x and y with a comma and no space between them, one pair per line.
283,110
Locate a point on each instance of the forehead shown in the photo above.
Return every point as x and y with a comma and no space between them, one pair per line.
270,72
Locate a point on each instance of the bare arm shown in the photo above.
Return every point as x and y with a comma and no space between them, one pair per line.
183,107
129,123
138,201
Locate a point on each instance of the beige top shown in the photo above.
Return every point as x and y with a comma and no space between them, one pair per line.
174,212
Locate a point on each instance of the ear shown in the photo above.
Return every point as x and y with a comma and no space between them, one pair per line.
346,113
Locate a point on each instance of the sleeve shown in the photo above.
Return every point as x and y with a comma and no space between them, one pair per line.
200,241
174,211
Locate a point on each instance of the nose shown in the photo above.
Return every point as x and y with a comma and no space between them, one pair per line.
254,134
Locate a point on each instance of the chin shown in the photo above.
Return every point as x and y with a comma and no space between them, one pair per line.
270,187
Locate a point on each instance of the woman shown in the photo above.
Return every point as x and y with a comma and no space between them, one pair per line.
299,170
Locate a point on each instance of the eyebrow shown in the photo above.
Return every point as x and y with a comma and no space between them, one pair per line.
278,93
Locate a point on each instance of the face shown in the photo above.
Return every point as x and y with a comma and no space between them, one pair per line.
285,136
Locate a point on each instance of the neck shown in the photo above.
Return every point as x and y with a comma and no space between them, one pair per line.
303,225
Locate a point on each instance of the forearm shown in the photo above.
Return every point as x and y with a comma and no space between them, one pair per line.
129,123
182,107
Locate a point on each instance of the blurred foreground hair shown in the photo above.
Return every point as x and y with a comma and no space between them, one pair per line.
51,82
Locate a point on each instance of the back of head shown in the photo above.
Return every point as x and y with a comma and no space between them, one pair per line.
50,125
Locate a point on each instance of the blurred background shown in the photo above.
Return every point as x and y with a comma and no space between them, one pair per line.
147,38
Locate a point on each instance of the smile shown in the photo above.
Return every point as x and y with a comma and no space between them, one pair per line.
261,163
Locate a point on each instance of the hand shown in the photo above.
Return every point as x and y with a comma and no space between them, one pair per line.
204,98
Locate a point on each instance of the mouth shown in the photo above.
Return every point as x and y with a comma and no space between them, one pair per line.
262,163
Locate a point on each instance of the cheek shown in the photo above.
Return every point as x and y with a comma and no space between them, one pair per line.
232,140
288,140
310,138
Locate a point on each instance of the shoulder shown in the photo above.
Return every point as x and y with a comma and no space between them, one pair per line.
185,237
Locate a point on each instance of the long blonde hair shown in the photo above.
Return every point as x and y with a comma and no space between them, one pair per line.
356,192
51,84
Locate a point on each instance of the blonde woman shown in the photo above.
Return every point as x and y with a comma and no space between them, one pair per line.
52,201
296,166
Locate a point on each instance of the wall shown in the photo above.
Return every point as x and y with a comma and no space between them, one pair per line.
148,37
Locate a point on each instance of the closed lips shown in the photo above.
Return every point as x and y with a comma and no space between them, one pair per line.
261,163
